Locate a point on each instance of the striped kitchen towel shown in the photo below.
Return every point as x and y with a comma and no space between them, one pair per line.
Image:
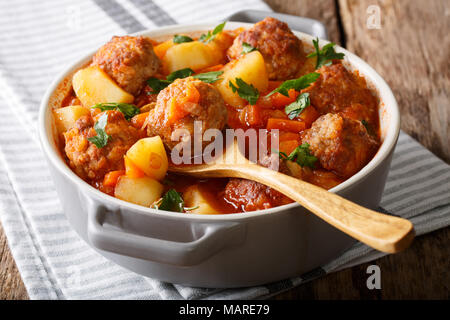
38,38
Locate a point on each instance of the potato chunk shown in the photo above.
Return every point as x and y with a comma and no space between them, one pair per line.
149,155
93,86
251,69
195,197
219,46
143,191
66,117
161,49
194,55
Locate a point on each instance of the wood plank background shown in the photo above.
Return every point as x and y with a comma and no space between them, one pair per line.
412,52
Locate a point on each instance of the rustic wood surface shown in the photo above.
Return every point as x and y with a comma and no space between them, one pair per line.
411,51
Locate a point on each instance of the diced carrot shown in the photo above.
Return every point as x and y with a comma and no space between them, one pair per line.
264,103
250,115
131,170
273,85
286,125
177,111
110,179
161,49
288,146
217,67
139,120
286,136
192,94
309,115
279,101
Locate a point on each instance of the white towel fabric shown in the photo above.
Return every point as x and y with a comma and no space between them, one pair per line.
40,37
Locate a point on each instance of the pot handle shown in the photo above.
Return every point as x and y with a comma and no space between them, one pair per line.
209,238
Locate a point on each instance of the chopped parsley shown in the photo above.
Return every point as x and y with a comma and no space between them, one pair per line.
180,74
128,110
301,155
368,127
296,84
208,37
101,139
181,39
247,48
245,91
365,124
172,201
295,108
209,77
325,55
157,84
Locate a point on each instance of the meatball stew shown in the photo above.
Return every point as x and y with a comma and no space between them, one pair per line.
117,125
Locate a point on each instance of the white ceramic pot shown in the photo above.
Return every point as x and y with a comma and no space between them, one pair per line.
217,251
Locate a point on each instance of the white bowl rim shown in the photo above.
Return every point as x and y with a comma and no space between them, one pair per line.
368,72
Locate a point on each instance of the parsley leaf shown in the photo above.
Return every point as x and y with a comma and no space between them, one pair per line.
325,55
301,155
128,110
247,48
368,127
171,201
180,39
365,124
180,74
101,139
209,77
157,84
245,91
296,84
208,37
295,108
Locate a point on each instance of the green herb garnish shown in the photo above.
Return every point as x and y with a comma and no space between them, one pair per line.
171,201
128,110
180,74
365,124
209,77
325,55
301,155
296,84
368,127
245,91
157,84
247,48
206,38
181,39
295,108
101,139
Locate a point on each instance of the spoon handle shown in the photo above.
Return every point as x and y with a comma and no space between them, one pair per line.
382,232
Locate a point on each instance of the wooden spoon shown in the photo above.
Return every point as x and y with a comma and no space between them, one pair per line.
382,232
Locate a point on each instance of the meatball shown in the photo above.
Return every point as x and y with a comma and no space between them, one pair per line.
248,195
282,50
182,103
90,162
339,91
130,61
342,145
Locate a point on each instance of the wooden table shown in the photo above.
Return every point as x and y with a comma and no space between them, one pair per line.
411,52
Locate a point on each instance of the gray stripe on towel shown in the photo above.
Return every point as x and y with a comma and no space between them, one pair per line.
154,12
120,15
